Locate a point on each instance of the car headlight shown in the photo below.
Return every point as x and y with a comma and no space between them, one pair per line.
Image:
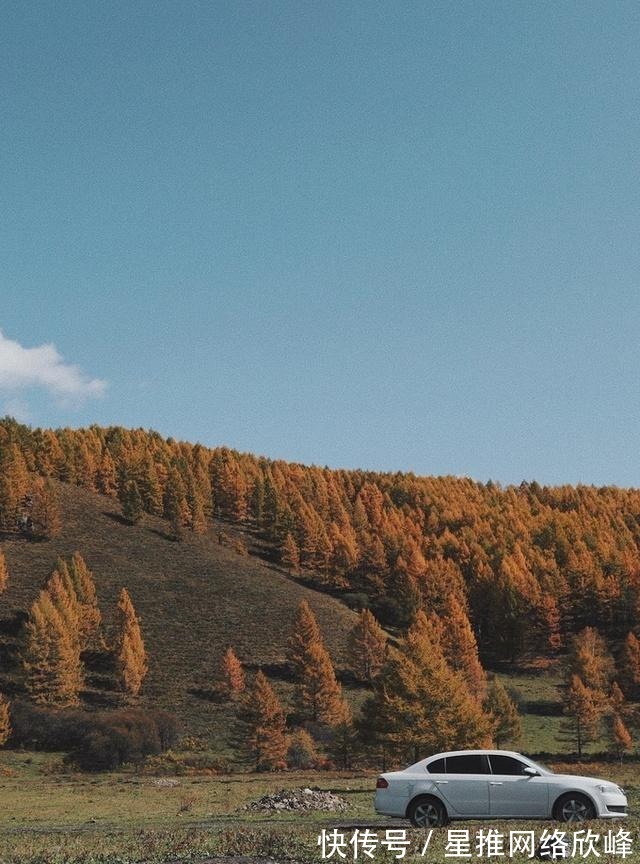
608,788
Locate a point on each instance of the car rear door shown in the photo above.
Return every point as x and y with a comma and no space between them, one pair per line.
465,786
514,793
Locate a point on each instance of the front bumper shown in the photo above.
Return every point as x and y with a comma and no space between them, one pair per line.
611,805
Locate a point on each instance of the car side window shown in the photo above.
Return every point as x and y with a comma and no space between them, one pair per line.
437,767
471,763
506,765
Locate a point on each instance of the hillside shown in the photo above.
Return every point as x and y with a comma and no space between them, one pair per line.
194,598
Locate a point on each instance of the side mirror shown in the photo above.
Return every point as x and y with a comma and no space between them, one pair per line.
531,772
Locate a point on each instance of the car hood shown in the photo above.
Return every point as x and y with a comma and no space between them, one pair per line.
579,778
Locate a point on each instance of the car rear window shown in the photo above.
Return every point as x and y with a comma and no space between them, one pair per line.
436,767
470,764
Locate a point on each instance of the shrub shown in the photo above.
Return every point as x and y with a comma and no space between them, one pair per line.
301,752
94,742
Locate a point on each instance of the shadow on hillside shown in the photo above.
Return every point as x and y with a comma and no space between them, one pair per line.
279,671
544,708
162,534
117,517
12,626
208,694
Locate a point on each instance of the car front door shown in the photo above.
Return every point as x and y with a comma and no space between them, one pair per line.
465,786
512,792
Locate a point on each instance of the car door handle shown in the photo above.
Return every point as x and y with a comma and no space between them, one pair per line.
441,782
495,783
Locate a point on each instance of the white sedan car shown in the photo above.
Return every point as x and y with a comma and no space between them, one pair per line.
492,784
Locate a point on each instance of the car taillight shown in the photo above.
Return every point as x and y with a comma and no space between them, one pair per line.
381,783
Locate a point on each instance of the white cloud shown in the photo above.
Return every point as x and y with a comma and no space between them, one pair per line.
16,408
43,367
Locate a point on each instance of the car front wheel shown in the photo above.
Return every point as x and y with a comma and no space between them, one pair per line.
427,813
574,807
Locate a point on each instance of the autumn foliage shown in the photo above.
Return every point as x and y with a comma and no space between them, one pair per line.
131,656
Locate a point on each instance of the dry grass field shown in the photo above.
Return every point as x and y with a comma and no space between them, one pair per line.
126,818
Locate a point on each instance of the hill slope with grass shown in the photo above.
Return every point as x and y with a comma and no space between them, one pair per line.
195,598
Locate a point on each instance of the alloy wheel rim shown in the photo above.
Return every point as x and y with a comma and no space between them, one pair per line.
426,814
574,811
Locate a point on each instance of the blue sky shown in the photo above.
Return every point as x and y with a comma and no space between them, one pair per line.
388,235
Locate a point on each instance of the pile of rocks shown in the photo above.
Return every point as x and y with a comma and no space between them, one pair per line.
300,799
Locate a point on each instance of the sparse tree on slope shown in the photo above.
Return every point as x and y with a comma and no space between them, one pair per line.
131,656
4,572
262,726
318,694
5,720
90,617
305,632
233,678
51,656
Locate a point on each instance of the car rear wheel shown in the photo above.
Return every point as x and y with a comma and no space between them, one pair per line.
574,807
427,813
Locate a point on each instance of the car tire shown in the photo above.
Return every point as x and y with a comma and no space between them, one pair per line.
427,812
574,807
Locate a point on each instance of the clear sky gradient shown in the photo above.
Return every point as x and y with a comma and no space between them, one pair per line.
399,236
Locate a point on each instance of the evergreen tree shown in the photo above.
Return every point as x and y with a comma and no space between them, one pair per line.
590,660
304,634
343,742
301,750
233,678
583,710
5,720
62,594
318,695
461,649
367,647
14,485
131,502
46,518
195,503
176,508
507,725
262,726
630,665
51,655
4,572
90,617
131,656
289,554
620,736
420,703
107,475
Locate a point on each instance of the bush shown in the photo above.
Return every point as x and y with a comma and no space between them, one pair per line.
95,742
301,752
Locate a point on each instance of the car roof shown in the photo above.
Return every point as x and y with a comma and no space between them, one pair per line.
475,753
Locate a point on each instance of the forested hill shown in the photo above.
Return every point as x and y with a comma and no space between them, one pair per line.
531,564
